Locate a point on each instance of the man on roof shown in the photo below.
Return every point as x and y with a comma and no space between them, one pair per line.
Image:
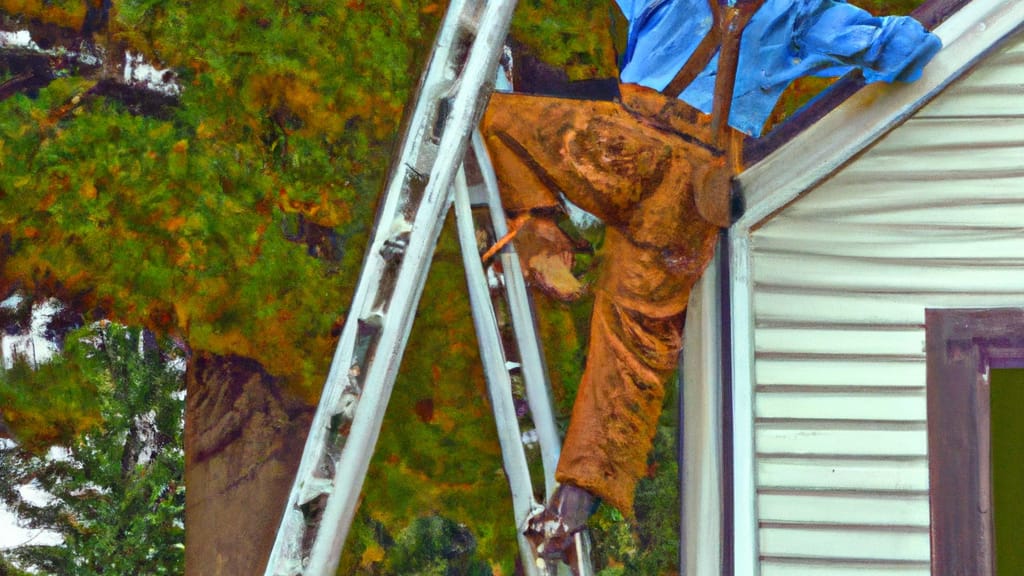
656,170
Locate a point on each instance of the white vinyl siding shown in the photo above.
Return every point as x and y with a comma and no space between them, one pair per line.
931,216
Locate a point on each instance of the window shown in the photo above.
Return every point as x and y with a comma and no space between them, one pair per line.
964,347
1007,394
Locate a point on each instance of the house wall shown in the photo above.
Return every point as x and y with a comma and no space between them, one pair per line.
932,216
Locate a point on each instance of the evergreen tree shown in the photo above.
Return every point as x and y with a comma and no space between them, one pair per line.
117,486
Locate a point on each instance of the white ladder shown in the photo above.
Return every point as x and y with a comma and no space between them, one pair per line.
497,366
452,95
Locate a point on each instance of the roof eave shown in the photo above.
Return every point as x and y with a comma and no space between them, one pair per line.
821,149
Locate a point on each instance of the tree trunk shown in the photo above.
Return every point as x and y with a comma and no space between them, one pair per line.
243,441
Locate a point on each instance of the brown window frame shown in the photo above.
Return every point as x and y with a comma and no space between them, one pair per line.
963,345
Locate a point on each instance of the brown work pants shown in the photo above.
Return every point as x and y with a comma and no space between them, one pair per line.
637,164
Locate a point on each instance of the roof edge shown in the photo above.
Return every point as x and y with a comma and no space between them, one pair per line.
930,14
817,152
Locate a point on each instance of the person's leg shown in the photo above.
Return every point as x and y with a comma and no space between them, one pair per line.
596,153
631,355
603,157
639,177
512,133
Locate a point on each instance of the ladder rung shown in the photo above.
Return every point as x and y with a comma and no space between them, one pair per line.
366,336
290,568
314,488
347,405
469,23
289,562
530,437
394,247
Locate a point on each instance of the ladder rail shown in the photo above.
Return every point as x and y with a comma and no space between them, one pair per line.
372,268
465,110
393,312
499,381
494,360
535,373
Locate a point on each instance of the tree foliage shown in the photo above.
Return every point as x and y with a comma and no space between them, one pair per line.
117,488
204,224
237,219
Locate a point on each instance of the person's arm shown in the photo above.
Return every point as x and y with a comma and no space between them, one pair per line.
788,39
886,48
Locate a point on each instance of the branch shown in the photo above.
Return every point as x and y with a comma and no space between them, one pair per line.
33,70
62,51
138,99
23,83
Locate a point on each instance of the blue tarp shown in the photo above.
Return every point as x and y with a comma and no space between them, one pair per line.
785,39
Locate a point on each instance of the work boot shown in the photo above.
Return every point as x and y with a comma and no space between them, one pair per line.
552,532
546,254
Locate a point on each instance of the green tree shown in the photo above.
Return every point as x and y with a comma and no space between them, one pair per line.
236,215
118,493
233,215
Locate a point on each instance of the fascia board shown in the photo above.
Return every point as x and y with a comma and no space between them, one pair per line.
839,136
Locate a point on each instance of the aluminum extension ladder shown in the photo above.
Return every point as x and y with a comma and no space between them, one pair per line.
426,177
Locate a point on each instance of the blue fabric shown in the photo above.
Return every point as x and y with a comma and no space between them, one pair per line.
785,39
